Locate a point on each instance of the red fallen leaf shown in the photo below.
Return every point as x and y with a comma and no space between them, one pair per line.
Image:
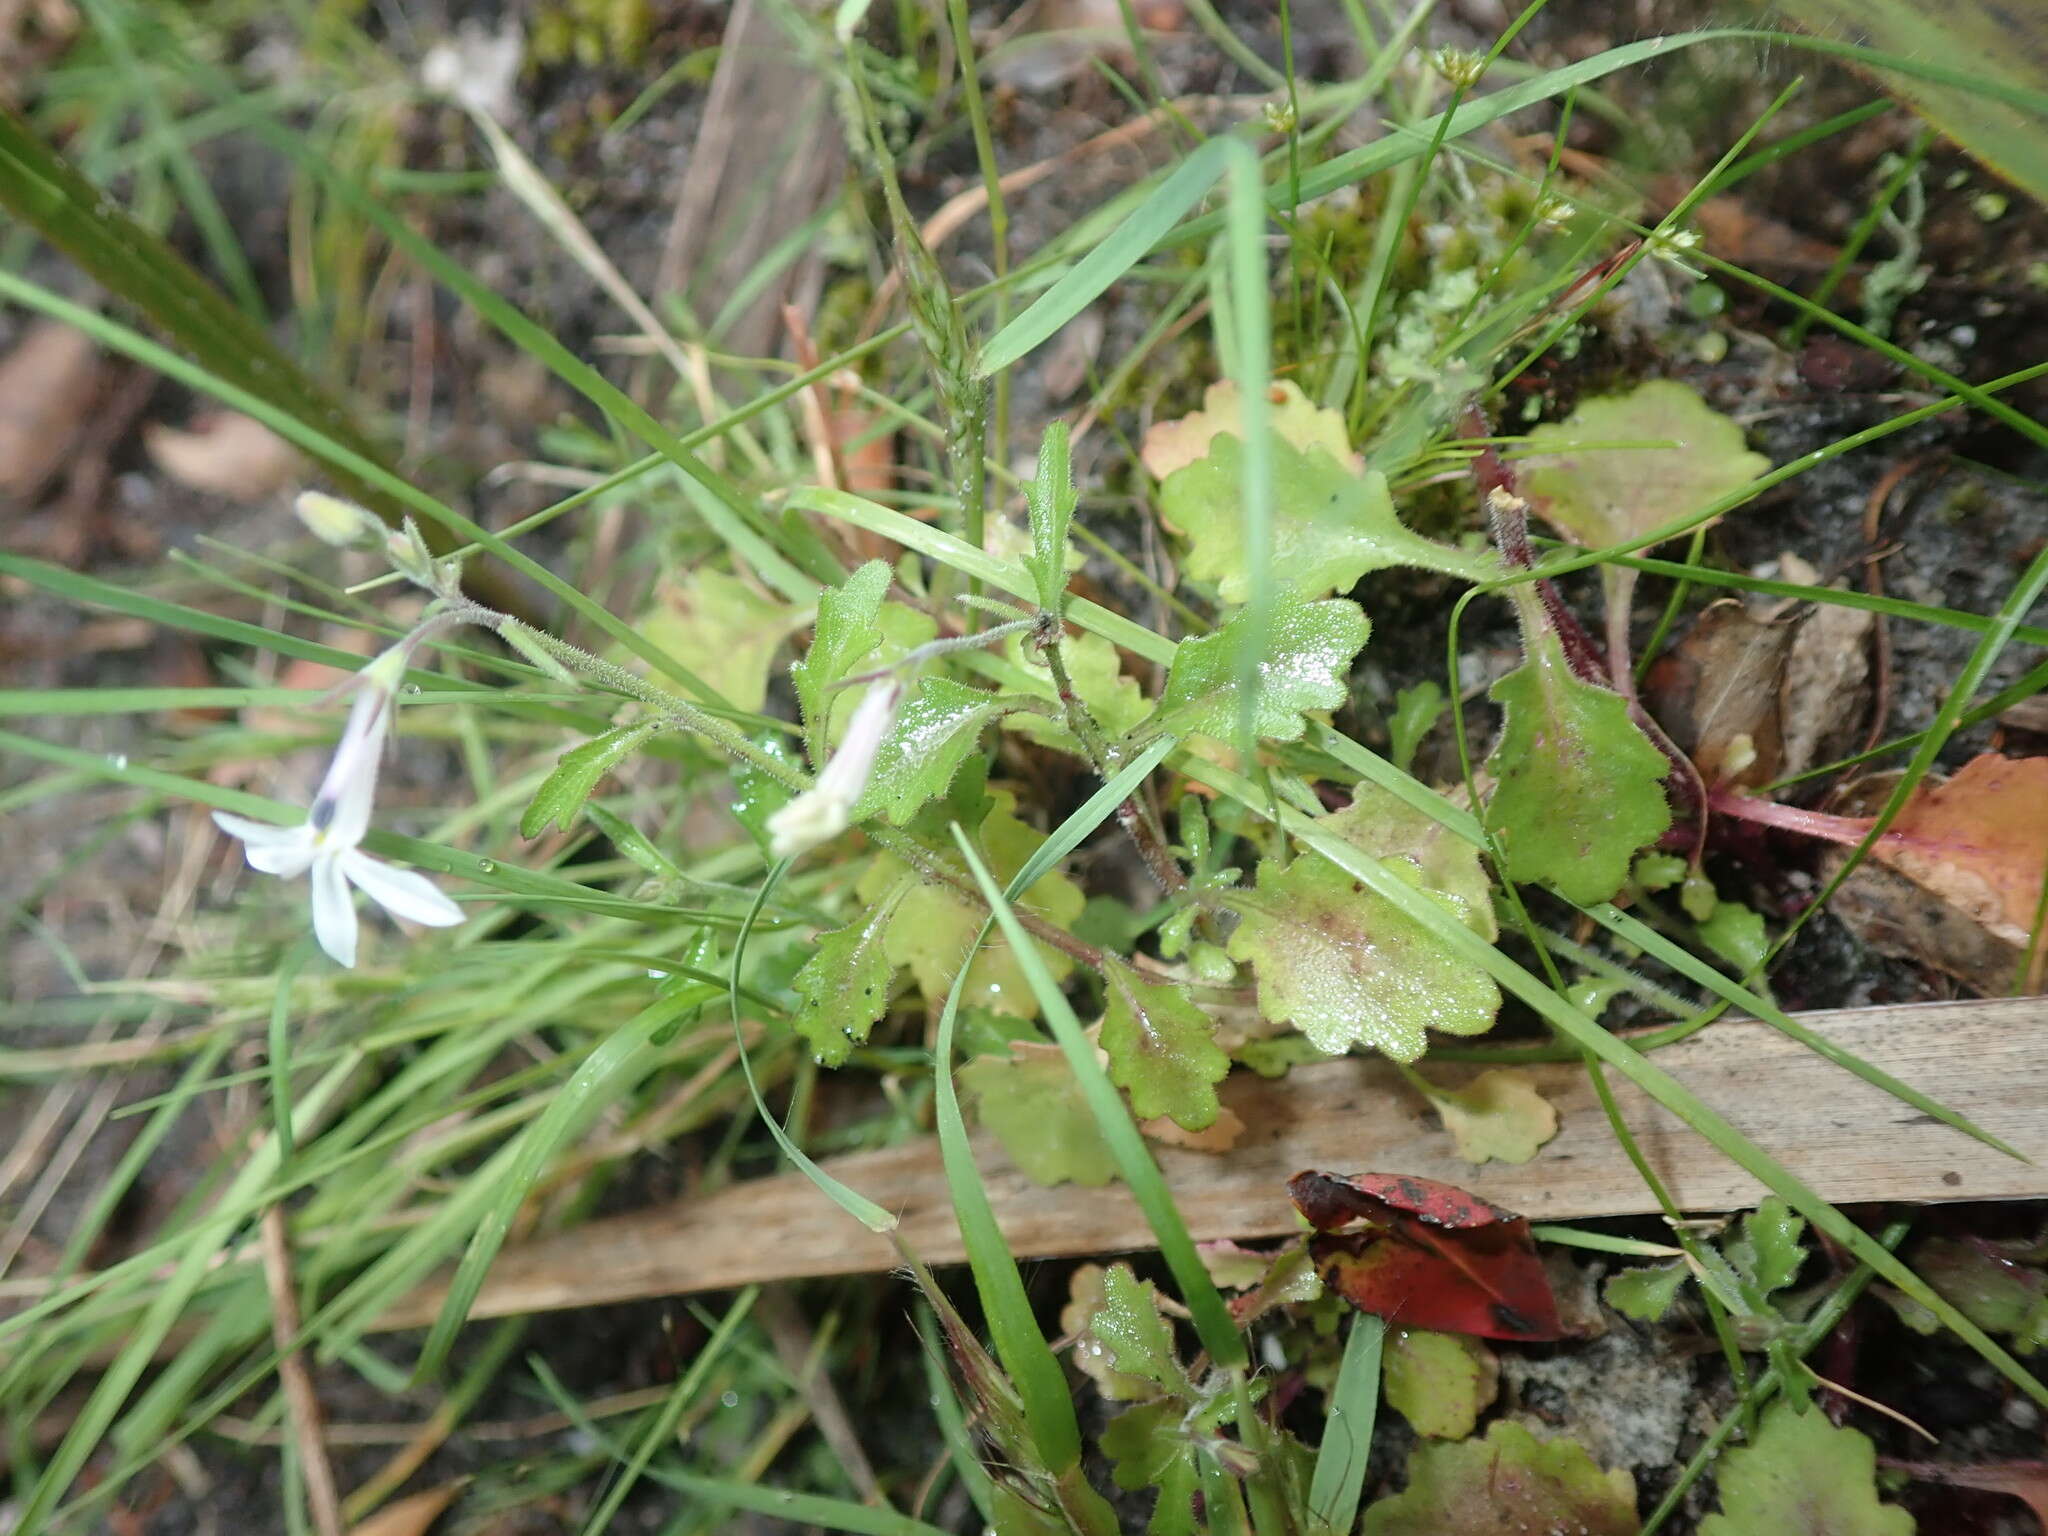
1432,1257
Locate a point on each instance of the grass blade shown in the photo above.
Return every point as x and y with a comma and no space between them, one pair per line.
600,1077
1339,1477
1212,1320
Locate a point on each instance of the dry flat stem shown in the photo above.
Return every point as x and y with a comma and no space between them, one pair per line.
301,1401
1846,1139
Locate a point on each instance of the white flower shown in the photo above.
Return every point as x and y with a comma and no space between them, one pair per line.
327,842
825,810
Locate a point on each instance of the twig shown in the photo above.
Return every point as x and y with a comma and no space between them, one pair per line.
301,1401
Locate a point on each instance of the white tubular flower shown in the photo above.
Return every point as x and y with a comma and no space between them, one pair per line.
327,842
825,810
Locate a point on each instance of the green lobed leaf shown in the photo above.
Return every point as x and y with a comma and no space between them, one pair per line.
934,732
576,773
1987,1283
722,630
1647,1293
1580,787
1139,1340
848,627
934,926
1162,1049
1802,1476
1509,1481
1347,967
1148,1447
1331,525
1440,1382
1499,1115
844,987
1607,493
1767,1252
1029,1101
1301,664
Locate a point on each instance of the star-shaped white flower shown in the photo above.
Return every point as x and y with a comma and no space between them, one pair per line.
327,843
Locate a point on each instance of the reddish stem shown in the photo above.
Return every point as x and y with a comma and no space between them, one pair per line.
1846,830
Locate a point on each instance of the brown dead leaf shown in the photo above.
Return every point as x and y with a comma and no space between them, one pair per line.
224,454
1220,1136
48,384
1954,885
1980,841
1759,690
413,1515
1716,693
1827,676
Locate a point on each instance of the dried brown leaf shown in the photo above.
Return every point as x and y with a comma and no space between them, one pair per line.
224,454
47,387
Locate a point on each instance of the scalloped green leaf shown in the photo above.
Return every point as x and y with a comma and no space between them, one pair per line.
1162,1049
1440,1382
843,989
1029,1101
1303,661
1509,1481
1767,1251
1345,966
1604,495
1333,519
1646,1294
722,630
933,925
1802,1476
577,772
1331,525
1149,1447
1129,1326
934,732
1580,788
848,627
1498,1116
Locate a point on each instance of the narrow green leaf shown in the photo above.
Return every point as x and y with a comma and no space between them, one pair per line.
1124,248
1339,1477
1050,500
41,188
606,1073
576,773
1218,1333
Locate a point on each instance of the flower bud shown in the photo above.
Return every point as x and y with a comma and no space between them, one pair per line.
334,521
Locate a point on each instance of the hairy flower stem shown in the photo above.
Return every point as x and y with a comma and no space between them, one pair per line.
1140,822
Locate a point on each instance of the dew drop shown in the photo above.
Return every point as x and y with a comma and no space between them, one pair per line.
487,866
117,761
414,688
730,1398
